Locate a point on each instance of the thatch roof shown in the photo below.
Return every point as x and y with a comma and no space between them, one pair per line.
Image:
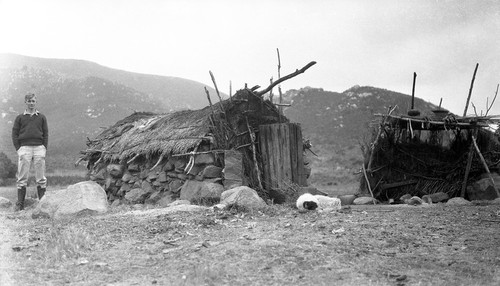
148,134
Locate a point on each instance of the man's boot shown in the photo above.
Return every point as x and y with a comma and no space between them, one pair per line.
40,191
21,194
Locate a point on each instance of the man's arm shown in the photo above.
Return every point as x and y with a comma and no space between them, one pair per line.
15,133
45,128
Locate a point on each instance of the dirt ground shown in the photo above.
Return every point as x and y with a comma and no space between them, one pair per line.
360,245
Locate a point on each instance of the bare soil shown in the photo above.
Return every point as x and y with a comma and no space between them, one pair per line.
360,245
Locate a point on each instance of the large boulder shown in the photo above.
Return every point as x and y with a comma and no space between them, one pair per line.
243,197
5,203
484,189
201,191
85,197
136,196
436,198
365,201
458,201
212,171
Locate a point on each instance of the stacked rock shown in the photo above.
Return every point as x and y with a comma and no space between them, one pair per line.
187,177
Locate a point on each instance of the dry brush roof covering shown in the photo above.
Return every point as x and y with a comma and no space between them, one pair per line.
450,121
149,134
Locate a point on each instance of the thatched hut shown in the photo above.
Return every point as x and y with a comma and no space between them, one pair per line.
424,155
146,157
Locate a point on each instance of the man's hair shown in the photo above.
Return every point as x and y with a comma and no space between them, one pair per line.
29,95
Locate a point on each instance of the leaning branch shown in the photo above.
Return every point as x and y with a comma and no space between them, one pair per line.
484,164
297,72
493,101
279,86
217,90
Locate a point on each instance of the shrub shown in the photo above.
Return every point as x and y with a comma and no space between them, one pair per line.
7,168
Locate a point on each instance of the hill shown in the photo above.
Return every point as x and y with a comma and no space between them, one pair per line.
173,92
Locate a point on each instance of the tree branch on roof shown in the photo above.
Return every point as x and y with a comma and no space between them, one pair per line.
297,72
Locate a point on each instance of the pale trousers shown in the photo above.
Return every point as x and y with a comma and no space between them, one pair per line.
28,154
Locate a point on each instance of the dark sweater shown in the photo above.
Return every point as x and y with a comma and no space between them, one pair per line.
30,130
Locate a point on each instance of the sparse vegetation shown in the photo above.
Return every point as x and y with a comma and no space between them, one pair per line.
7,169
64,242
278,246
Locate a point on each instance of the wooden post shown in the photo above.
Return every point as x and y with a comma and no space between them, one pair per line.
469,164
467,170
379,133
470,90
413,91
280,109
254,154
368,183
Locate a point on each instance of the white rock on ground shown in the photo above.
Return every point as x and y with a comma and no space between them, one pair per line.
243,196
83,197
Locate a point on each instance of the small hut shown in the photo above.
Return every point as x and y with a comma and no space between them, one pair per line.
243,140
433,152
423,155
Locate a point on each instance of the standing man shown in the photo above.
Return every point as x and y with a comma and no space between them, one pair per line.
30,135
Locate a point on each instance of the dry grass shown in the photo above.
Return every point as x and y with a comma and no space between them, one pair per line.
437,245
63,244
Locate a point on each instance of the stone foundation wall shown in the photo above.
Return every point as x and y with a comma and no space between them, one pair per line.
187,177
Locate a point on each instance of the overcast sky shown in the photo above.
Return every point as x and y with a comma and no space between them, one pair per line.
354,42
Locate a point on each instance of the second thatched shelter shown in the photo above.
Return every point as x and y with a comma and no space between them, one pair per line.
424,155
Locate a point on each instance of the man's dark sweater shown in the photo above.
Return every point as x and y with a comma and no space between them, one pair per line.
30,130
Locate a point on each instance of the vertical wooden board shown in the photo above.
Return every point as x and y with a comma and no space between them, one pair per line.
270,159
270,154
287,166
265,139
291,147
276,137
288,151
262,150
293,153
282,156
302,179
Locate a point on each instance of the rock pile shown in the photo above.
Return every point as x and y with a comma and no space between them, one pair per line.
197,178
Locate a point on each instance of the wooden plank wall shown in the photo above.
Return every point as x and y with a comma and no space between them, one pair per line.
282,155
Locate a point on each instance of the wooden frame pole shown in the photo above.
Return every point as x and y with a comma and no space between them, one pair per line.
470,90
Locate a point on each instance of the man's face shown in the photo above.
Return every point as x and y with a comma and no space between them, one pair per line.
31,102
